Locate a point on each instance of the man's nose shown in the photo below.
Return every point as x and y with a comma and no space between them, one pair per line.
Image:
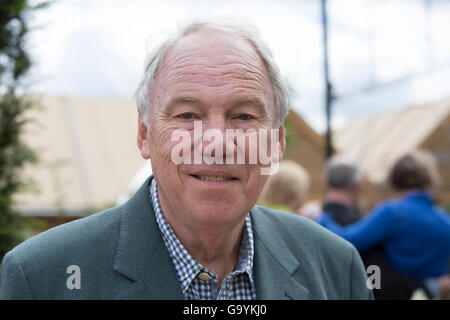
216,143
215,123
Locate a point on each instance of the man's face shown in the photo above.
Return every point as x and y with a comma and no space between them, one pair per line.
220,80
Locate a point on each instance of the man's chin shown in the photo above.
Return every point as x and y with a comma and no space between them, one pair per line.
216,212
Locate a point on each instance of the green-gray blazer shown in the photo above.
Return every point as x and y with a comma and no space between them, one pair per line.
121,255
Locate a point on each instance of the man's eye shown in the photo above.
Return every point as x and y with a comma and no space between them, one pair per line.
244,117
186,116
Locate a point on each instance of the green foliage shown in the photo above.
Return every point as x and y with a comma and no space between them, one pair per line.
14,154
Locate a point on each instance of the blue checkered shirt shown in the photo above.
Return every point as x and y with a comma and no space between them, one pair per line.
237,285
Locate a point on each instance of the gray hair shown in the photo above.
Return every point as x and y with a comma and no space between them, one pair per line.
342,173
247,32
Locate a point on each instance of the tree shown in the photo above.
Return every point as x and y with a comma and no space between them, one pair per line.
14,154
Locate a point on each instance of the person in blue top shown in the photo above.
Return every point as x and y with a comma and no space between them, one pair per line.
413,231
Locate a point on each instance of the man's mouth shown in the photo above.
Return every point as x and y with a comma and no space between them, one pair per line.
213,178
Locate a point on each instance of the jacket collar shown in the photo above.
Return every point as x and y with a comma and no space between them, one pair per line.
144,260
420,196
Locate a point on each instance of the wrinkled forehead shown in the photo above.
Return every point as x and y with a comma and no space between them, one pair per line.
218,55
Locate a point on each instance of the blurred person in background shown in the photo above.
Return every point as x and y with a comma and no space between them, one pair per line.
413,231
287,189
342,192
342,188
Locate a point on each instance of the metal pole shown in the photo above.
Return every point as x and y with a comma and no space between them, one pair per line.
328,87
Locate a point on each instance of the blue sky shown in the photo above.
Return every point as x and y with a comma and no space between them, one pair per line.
384,54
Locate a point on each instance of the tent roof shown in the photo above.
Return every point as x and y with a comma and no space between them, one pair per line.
376,142
87,150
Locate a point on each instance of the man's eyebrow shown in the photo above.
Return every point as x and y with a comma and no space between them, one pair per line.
184,99
179,100
236,102
254,101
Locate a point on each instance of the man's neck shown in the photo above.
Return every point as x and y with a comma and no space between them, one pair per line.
216,250
214,247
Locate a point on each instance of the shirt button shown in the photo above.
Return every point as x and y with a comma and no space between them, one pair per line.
204,276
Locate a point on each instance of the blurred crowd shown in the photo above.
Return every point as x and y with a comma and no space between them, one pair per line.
406,237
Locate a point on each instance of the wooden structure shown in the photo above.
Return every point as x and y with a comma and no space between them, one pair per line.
306,147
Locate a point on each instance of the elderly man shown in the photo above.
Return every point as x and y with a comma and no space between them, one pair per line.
192,230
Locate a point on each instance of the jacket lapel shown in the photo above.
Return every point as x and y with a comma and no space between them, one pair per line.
274,263
141,254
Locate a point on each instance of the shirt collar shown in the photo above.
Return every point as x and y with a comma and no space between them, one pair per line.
186,266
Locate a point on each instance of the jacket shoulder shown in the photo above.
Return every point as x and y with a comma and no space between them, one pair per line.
40,266
78,235
328,265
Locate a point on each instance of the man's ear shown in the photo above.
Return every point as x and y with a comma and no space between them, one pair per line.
282,140
143,138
